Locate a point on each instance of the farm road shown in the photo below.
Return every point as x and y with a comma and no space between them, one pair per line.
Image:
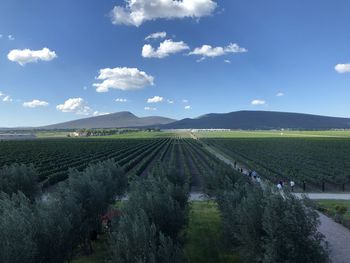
337,236
329,196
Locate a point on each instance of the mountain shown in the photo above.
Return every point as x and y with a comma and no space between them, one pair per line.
260,120
246,120
115,120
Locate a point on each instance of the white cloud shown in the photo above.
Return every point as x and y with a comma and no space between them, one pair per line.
155,99
97,113
280,94
200,59
123,79
1,94
342,68
258,102
11,37
227,61
1,36
7,99
185,101
188,107
137,12
156,35
35,104
165,49
25,56
170,101
75,105
209,51
121,100
150,108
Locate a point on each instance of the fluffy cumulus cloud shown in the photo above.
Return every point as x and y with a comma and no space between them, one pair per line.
150,108
342,68
280,94
258,102
121,100
25,56
137,12
165,49
7,98
156,35
155,99
123,79
170,101
35,104
75,105
1,94
209,51
188,107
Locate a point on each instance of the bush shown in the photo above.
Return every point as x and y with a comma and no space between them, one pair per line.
149,229
51,229
17,229
19,177
265,225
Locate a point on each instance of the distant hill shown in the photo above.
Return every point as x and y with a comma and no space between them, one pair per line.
115,120
249,120
260,120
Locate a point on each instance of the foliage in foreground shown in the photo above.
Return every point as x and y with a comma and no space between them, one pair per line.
19,177
267,226
153,218
51,229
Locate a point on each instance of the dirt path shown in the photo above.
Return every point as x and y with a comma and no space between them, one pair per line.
338,238
326,196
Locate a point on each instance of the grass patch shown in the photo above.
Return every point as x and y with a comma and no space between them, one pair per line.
204,235
328,207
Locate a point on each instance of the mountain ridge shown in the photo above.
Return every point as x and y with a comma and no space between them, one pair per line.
250,120
123,119
264,120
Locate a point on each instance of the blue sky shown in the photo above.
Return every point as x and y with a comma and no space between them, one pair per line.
297,49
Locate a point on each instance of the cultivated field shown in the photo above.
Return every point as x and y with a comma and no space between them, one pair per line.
314,157
155,172
136,153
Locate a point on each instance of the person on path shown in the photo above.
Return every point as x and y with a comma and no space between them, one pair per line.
292,184
254,174
281,183
279,186
258,179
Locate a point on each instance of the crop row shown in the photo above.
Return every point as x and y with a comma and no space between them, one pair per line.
313,160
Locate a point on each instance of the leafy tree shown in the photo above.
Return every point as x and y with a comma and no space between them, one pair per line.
55,234
155,195
17,229
153,217
19,177
169,251
291,231
134,239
